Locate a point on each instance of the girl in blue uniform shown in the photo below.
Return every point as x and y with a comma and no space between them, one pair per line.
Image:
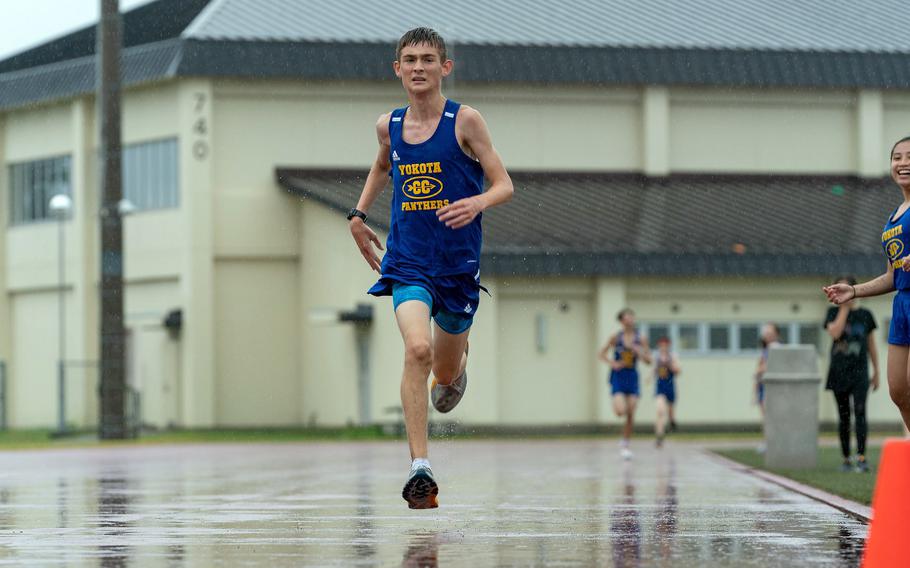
628,347
665,371
437,154
896,245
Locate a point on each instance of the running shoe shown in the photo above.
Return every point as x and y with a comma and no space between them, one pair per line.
447,397
862,466
626,453
846,467
659,441
421,490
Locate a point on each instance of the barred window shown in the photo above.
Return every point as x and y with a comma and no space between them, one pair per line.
690,337
734,338
749,337
150,174
719,337
33,184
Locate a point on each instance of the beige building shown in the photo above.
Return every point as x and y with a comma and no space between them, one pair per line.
710,184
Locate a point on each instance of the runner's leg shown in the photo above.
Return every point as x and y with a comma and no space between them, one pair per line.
414,323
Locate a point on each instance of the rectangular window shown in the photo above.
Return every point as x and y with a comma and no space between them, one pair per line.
785,335
150,175
33,184
749,337
719,337
809,334
656,331
689,337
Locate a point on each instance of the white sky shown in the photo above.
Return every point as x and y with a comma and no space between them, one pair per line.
26,23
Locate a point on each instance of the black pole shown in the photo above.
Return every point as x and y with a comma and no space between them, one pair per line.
113,347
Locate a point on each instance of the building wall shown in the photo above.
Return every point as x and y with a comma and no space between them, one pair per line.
154,242
547,344
576,129
762,132
256,332
255,270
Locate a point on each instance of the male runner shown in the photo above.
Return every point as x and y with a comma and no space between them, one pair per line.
437,153
665,373
628,347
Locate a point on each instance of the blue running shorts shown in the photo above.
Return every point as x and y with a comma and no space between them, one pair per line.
624,381
899,332
667,388
453,300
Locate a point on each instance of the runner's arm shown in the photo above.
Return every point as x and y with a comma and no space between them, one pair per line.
476,138
840,293
674,364
884,284
365,237
602,355
645,351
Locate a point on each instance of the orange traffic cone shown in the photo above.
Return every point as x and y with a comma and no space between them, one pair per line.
886,547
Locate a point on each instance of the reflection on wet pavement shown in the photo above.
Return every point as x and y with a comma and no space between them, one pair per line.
502,503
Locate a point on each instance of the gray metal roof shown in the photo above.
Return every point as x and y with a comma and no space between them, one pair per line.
780,25
725,43
682,225
76,77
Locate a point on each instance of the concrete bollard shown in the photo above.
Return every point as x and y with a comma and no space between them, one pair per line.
791,407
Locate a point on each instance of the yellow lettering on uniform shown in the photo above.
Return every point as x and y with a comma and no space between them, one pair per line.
422,168
892,232
445,202
898,263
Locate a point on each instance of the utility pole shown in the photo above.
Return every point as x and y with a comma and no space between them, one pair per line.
112,388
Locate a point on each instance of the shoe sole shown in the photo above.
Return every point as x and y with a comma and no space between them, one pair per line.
421,492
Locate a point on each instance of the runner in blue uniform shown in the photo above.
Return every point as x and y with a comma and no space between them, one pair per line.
437,153
896,244
628,347
665,371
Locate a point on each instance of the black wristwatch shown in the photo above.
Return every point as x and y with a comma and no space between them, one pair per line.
357,213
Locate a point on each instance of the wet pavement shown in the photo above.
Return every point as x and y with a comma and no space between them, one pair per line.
502,503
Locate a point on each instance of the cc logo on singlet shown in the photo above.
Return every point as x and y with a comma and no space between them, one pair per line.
895,248
421,187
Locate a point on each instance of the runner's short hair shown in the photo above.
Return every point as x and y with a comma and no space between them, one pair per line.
623,312
417,36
